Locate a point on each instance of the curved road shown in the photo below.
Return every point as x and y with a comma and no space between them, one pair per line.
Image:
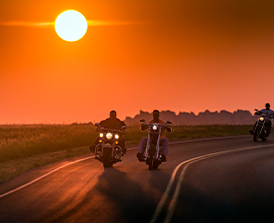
228,179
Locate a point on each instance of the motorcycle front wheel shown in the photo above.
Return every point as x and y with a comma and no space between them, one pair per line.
107,158
256,136
264,135
155,164
150,164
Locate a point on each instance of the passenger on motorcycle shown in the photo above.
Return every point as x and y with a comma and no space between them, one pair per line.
269,114
112,123
163,139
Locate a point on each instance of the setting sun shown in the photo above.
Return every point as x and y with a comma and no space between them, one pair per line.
71,25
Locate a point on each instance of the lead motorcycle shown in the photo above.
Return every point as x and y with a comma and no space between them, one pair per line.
260,127
153,151
108,150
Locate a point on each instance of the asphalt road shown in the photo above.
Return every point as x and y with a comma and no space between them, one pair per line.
229,179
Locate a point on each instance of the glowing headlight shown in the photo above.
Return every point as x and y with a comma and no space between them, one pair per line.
116,136
101,135
261,119
109,135
154,127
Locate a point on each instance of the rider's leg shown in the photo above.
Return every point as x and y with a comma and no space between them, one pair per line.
141,148
142,145
164,143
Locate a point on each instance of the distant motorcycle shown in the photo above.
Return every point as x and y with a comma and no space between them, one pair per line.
260,129
153,151
108,151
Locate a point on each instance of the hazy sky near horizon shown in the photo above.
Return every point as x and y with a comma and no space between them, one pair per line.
189,55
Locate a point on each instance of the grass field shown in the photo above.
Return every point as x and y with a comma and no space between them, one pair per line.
23,147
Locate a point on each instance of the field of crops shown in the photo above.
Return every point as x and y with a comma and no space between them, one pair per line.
23,147
18,141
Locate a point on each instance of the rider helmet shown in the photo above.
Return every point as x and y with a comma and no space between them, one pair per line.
267,106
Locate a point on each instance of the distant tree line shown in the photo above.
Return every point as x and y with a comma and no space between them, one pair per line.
239,117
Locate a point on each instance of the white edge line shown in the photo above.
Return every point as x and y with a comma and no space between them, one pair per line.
76,161
208,139
43,176
173,202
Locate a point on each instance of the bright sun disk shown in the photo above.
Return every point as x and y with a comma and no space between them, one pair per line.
71,25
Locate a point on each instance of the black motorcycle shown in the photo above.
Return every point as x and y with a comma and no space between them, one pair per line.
153,151
108,150
260,127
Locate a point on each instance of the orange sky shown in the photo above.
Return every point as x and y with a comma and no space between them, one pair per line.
170,55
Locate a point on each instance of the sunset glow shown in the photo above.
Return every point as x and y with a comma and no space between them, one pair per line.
71,25
201,55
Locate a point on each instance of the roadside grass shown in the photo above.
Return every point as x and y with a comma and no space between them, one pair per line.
14,167
20,141
190,132
24,147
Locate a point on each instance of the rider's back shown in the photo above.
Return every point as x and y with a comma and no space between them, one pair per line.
112,123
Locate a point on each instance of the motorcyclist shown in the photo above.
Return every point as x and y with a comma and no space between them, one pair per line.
111,123
268,114
163,139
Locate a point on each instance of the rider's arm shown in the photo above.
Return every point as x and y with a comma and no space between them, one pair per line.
168,129
258,113
122,124
102,123
144,127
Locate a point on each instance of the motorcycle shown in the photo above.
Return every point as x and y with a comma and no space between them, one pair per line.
260,127
153,151
108,150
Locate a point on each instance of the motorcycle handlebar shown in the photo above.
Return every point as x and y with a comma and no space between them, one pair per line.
154,124
151,124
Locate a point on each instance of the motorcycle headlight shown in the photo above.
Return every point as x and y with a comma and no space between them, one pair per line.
116,136
101,135
261,119
109,135
154,127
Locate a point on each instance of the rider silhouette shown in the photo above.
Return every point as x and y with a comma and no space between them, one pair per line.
163,139
111,123
269,114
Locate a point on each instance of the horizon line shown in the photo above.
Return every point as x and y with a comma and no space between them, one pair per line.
48,24
79,122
